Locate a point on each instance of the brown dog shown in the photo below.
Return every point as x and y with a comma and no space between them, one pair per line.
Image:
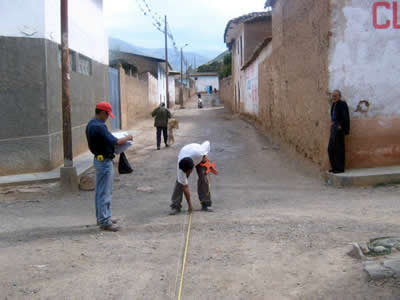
172,124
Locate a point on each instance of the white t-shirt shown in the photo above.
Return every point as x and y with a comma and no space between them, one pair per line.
195,152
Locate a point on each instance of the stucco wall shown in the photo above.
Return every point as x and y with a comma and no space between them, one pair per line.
250,83
363,65
203,82
30,89
293,81
41,19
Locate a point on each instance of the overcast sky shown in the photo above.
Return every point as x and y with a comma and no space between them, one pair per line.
200,23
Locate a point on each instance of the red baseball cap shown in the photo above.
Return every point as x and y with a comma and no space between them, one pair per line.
106,107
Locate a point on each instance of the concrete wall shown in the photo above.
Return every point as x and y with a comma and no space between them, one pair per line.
30,89
362,63
226,93
293,80
153,90
203,82
41,19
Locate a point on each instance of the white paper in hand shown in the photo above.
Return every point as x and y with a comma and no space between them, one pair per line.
122,148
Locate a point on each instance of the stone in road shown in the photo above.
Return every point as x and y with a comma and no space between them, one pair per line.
277,231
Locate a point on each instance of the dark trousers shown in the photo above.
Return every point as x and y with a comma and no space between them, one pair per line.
203,190
336,149
165,133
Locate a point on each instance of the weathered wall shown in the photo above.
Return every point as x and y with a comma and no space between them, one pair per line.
30,91
293,81
363,65
226,93
135,102
249,83
254,33
153,90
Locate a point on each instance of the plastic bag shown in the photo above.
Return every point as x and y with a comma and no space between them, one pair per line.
124,166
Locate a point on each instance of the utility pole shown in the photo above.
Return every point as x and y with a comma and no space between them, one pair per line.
181,85
68,174
166,60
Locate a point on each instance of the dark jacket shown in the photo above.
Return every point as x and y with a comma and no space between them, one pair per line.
161,115
340,116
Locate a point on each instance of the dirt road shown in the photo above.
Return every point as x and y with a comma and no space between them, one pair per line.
277,231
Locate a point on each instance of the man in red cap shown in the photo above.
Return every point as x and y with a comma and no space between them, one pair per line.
101,143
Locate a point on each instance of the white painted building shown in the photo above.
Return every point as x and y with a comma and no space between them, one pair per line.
205,81
40,19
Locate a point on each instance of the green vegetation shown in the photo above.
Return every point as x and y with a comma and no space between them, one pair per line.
222,67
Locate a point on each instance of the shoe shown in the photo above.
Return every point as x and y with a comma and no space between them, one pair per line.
111,227
331,171
166,145
206,209
115,221
158,148
175,211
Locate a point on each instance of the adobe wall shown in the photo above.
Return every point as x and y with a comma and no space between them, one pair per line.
363,65
135,103
254,34
226,93
293,81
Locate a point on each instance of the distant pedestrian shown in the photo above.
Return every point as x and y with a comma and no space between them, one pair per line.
161,115
101,143
340,127
190,157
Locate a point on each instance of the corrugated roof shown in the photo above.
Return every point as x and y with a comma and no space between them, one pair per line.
254,16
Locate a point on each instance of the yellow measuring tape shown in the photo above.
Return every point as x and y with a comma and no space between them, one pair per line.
187,245
185,257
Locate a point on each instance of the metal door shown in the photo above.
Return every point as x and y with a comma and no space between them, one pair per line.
115,98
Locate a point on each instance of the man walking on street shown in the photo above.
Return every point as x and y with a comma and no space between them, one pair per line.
101,143
339,128
161,115
191,156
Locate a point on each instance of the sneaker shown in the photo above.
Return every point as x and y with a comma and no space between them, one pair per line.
206,209
111,227
175,211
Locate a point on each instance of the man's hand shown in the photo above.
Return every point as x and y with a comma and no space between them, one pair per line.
187,196
124,140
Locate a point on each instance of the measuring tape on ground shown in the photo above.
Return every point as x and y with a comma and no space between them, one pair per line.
185,257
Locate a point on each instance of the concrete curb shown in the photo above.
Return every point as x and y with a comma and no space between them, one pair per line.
364,177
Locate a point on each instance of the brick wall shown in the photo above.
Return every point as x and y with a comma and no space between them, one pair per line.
293,81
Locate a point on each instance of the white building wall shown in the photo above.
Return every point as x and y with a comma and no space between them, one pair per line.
171,89
363,60
161,85
203,82
250,82
41,19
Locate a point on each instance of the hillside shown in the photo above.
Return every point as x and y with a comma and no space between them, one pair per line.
174,58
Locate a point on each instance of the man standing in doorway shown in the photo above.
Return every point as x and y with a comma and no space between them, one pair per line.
101,143
161,115
191,156
339,129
